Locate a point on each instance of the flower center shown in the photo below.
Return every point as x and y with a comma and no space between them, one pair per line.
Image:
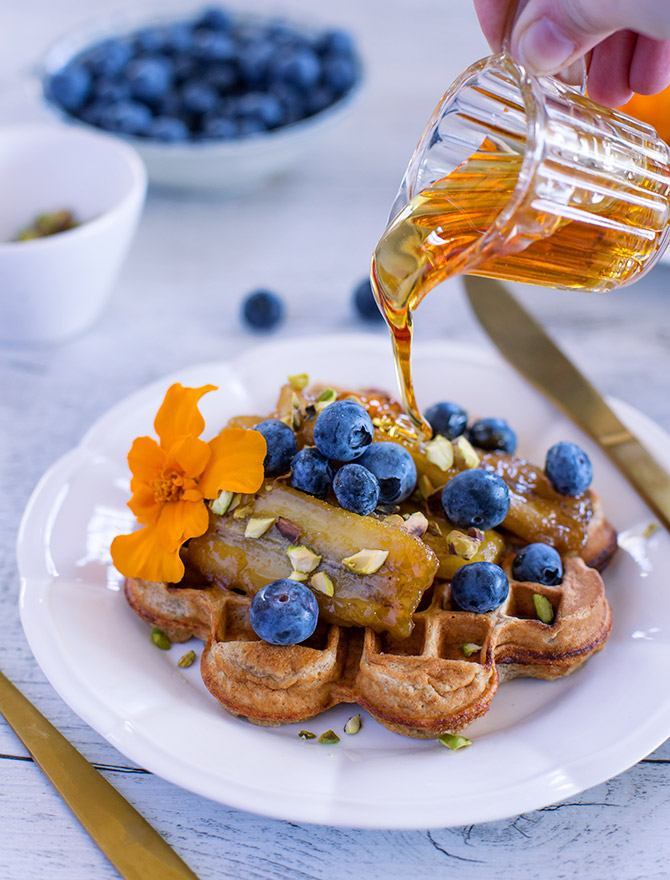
171,485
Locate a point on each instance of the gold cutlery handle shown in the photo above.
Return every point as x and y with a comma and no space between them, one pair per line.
135,849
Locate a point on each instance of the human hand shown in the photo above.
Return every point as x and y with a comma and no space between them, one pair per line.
627,42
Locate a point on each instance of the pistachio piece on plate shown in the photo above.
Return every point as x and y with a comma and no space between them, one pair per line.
453,741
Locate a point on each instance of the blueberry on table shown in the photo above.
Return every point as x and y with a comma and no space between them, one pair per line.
262,309
538,563
479,587
284,612
366,304
568,468
356,489
282,446
476,498
70,87
149,78
446,418
168,129
394,468
492,434
311,472
343,431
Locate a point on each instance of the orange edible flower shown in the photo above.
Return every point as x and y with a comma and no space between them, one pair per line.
173,479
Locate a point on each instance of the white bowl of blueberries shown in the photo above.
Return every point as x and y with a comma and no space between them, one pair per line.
220,100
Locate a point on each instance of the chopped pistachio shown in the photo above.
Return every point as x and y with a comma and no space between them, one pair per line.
467,452
365,561
543,608
243,511
394,520
299,381
298,576
310,412
258,526
415,524
462,545
237,498
329,738
187,660
469,648
426,488
221,504
296,417
159,639
453,741
302,558
321,582
325,398
440,452
353,725
307,734
477,534
434,528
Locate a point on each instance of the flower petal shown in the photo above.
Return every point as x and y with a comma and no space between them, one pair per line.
191,454
142,555
236,463
145,459
144,505
181,520
179,414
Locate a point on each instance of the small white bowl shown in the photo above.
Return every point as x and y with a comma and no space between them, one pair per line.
55,287
228,167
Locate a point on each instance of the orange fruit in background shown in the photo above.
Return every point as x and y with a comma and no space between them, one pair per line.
654,109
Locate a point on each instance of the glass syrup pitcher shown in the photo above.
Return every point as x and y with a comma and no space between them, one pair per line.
520,178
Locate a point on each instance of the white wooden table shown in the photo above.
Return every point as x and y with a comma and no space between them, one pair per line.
176,304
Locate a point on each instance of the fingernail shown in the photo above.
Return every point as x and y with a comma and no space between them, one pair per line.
543,47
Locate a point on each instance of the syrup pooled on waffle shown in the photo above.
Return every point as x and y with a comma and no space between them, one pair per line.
390,635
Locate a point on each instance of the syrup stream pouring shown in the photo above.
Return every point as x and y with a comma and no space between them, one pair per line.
529,349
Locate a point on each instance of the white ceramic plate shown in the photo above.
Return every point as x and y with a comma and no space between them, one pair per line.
541,742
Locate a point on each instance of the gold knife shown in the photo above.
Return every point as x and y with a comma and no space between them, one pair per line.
527,347
136,850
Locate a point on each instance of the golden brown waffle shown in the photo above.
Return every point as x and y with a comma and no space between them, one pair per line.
421,685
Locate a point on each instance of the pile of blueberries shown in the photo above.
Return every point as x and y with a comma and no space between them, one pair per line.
214,77
364,475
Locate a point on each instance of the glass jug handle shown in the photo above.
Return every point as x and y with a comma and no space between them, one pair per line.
574,75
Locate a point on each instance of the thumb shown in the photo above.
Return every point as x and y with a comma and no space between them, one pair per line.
550,34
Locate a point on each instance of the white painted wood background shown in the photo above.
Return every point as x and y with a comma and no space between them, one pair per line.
176,304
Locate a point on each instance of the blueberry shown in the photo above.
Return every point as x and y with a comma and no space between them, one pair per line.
343,431
127,117
254,62
222,76
492,434
262,105
149,78
356,488
221,128
282,446
312,473
394,468
335,42
569,469
199,97
149,40
214,17
292,101
475,498
70,87
111,91
539,563
178,37
185,68
284,612
446,418
479,587
299,67
318,99
262,310
365,303
109,58
168,129
213,46
249,125
339,73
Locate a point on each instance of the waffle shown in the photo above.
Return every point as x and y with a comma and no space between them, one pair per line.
420,685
